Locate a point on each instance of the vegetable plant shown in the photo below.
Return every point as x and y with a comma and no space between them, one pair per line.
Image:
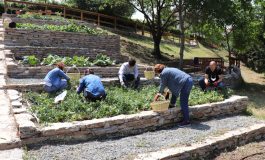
30,60
102,60
118,101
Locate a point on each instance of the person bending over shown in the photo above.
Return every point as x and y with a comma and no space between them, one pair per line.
213,77
56,79
128,74
91,86
178,82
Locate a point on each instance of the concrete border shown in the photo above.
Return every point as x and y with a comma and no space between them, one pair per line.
211,145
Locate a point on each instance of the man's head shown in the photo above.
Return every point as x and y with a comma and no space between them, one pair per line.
159,68
60,65
213,65
132,62
89,71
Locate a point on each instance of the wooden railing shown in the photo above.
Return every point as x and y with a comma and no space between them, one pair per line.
74,13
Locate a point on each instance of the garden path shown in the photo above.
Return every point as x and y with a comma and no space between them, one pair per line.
8,128
129,147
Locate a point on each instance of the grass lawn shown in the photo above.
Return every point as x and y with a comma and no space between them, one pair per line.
118,101
173,50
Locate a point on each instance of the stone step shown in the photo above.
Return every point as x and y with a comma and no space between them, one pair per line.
8,127
12,154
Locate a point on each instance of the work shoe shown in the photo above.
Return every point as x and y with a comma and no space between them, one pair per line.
184,124
171,106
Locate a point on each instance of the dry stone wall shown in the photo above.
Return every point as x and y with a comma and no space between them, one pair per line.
41,52
144,121
23,37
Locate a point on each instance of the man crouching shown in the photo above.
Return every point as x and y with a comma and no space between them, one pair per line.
91,86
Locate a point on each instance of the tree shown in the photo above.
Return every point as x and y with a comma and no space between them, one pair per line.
115,8
159,16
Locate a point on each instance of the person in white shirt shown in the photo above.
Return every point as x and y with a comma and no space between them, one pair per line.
128,74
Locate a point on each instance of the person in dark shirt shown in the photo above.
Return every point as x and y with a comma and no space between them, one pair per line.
213,77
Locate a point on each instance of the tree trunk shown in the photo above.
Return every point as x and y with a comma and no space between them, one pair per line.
182,35
181,51
228,48
157,52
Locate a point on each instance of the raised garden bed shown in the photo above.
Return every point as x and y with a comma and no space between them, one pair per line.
119,101
31,131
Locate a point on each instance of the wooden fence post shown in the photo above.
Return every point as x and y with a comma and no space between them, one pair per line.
142,30
115,23
5,6
82,16
98,19
64,12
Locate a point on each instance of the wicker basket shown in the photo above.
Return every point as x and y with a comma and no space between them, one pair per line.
149,74
74,76
159,106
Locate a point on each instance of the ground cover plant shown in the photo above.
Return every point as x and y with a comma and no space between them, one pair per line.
42,17
71,27
78,61
118,101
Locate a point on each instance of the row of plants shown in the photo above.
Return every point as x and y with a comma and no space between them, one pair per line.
71,27
118,101
78,61
29,15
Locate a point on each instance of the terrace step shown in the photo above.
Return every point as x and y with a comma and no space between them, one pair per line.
200,139
12,154
8,127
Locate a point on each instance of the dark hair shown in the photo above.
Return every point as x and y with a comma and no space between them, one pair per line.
89,71
132,62
12,25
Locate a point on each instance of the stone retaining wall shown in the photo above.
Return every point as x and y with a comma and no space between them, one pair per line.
30,131
211,147
19,71
42,52
41,38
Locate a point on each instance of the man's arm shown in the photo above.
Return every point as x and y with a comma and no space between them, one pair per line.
81,86
221,77
136,73
121,72
206,79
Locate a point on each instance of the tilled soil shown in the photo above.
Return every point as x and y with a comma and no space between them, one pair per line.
129,147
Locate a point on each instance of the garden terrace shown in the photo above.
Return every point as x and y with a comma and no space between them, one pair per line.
118,102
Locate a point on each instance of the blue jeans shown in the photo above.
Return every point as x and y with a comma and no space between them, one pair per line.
127,78
184,99
203,85
51,89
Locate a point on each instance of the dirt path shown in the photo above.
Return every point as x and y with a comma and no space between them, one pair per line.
252,77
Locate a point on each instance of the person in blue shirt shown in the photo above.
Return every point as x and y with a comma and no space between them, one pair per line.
56,79
91,86
178,82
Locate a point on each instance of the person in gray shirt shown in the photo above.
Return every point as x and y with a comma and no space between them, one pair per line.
179,83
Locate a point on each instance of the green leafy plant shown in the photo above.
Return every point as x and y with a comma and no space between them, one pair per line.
118,101
30,60
72,27
102,60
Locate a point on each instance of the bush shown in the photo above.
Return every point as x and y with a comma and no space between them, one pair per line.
118,101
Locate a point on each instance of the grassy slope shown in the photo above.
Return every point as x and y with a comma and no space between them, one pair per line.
173,50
